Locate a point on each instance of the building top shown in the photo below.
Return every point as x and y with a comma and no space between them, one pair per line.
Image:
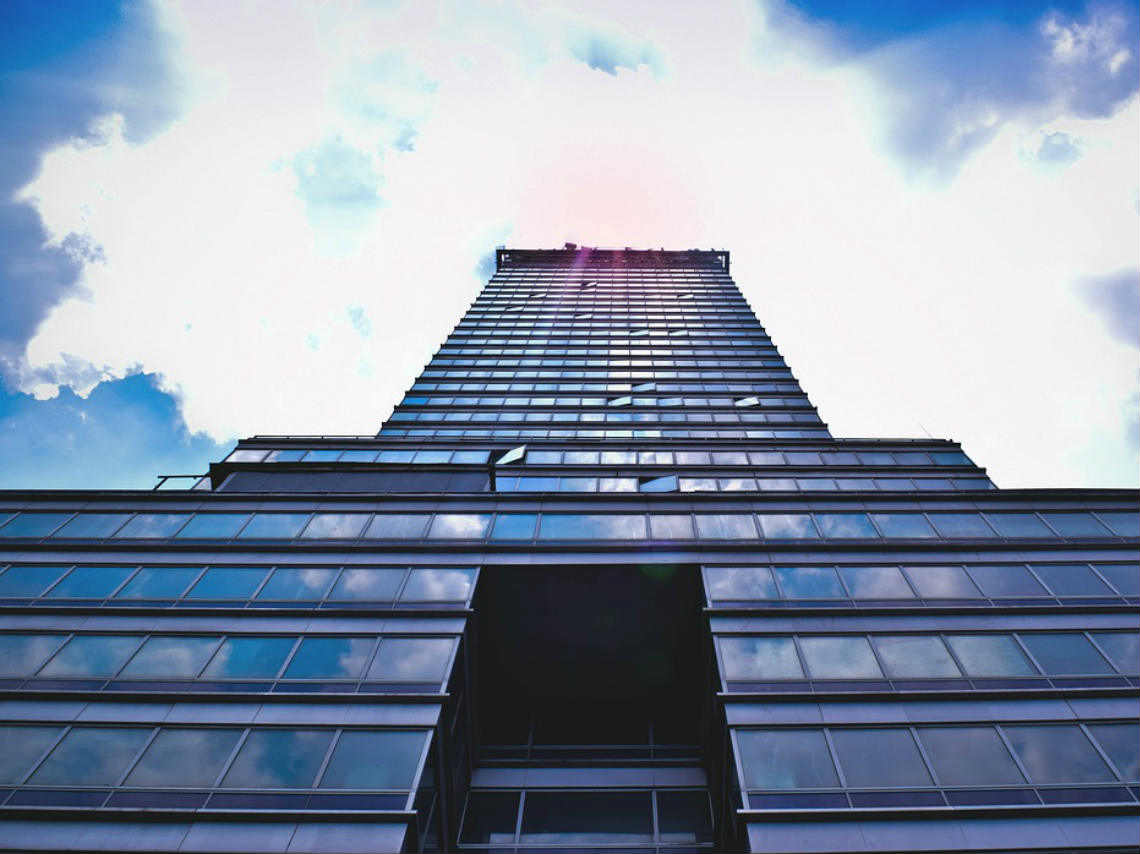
587,256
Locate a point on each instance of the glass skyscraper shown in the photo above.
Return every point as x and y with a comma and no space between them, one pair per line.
604,581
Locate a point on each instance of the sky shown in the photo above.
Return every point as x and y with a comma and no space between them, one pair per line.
220,219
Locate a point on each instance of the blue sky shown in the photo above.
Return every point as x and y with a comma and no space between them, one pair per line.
220,219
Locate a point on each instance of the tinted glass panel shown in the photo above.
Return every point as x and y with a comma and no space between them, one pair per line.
213,526
228,582
990,655
490,818
249,658
308,583
438,585
279,758
397,526
879,758
915,656
848,657
159,582
1076,525
335,526
91,582
460,526
684,817
902,525
725,526
27,582
962,525
374,760
21,747
370,585
1121,742
92,655
174,658
1009,580
1018,525
1073,579
790,526
1124,577
942,582
759,658
91,526
968,756
91,756
1057,754
332,658
739,582
564,526
274,526
33,524
1063,653
671,527
809,582
876,582
1122,524
153,526
587,818
514,526
22,655
1122,647
184,757
840,526
785,759
412,660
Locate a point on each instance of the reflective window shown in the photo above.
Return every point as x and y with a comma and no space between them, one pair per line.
274,526
1122,524
990,655
228,582
92,655
725,526
671,526
90,582
961,525
21,655
613,526
171,657
249,658
298,583
586,818
790,526
374,760
184,757
909,525
153,526
1076,525
684,817
368,584
91,526
91,756
397,526
1018,525
159,582
748,658
27,582
879,758
968,756
460,526
1122,647
1074,579
1121,743
876,582
490,818
273,758
1065,652
1008,580
842,526
845,657
1057,754
1124,577
33,524
439,585
21,747
785,759
335,526
740,583
412,660
514,526
213,526
330,658
809,582
915,656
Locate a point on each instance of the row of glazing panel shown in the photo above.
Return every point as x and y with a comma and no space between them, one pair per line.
349,526
563,433
131,585
233,662
220,767
924,766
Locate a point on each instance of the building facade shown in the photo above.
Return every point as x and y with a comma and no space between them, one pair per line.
604,581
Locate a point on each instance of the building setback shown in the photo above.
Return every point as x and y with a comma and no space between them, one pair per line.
604,581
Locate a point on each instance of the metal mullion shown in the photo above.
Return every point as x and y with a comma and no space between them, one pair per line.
124,583
913,730
953,655
1088,636
879,661
1016,635
653,810
288,658
55,583
808,675
1101,752
246,731
217,646
1104,579
271,568
1016,759
519,816
906,580
339,572
327,759
190,586
189,518
64,730
66,636
145,637
378,640
131,765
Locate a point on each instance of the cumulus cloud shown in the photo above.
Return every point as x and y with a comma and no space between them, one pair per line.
608,53
895,302
1058,149
1115,297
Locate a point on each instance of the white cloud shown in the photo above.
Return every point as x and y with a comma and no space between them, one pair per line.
897,304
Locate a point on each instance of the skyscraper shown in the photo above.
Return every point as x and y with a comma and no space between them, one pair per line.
604,581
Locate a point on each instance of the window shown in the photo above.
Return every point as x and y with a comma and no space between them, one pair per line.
28,582
184,757
514,526
213,526
91,655
439,585
752,658
879,758
1071,579
90,582
671,526
460,526
397,526
1121,742
153,526
91,526
249,658
903,525
335,526
33,525
788,526
330,658
990,655
809,582
274,526
1018,525
171,657
21,747
1065,652
969,756
1123,648
23,654
91,756
725,526
727,583
297,584
961,525
1057,754
875,582
845,657
915,657
228,583
565,526
1006,581
842,526
374,760
368,584
1076,525
278,759
412,660
785,759
159,582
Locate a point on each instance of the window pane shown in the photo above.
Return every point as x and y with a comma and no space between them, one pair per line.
726,583
91,526
1122,647
847,657
942,582
915,657
92,655
228,582
759,658
439,585
1122,744
330,658
902,525
846,526
1124,577
213,526
22,655
412,660
459,526
298,584
1018,525
1010,580
153,526
490,818
335,526
1076,525
969,756
184,757
1057,754
1064,653
611,526
788,526
20,747
586,818
273,526
397,526
374,760
279,758
1074,579
174,658
990,655
879,758
684,817
514,526
875,582
671,526
28,582
33,524
1122,524
159,582
809,582
371,584
249,658
91,756
961,525
725,526
91,582
785,759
